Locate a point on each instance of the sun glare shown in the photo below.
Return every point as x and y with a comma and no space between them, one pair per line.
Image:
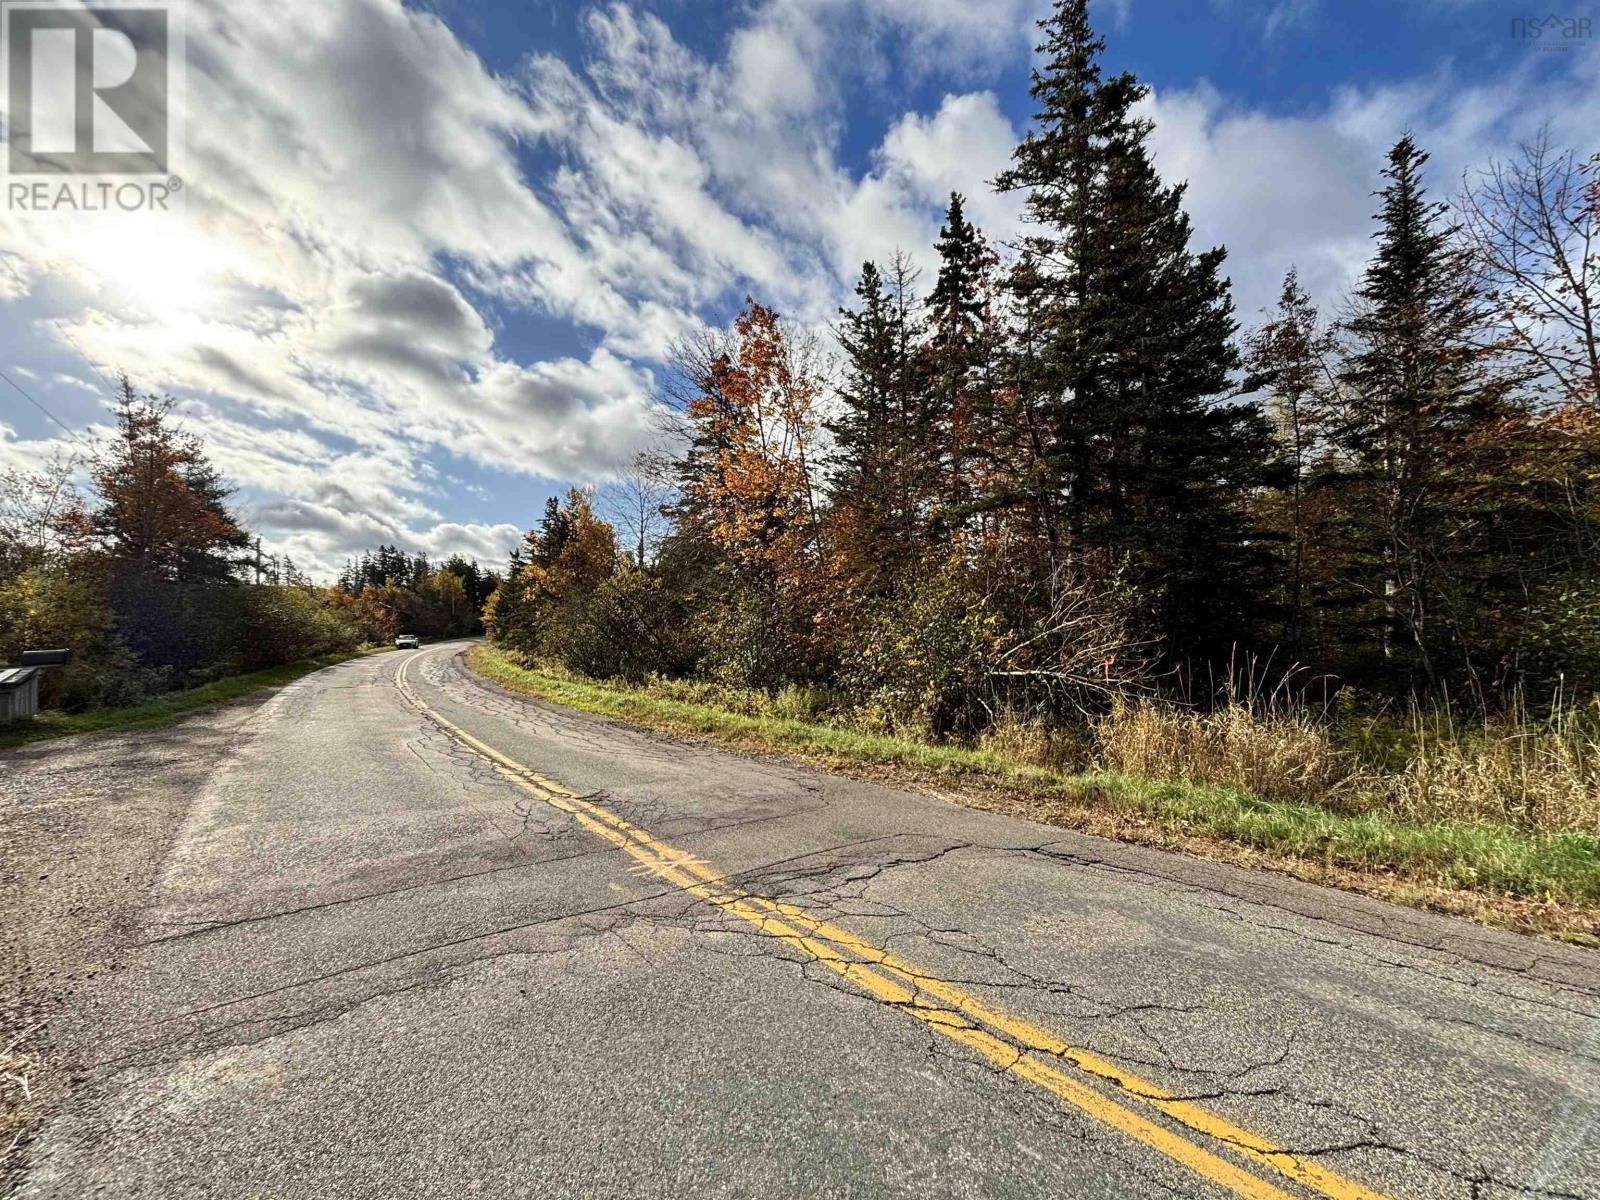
152,263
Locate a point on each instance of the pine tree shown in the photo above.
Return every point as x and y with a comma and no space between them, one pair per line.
1421,388
163,505
1060,164
1145,450
555,531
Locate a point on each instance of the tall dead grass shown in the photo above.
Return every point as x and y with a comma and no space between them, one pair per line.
1535,773
1282,755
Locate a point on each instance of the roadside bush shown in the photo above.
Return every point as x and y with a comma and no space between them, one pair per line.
1561,636
922,662
48,607
285,624
949,655
758,640
190,632
629,626
365,611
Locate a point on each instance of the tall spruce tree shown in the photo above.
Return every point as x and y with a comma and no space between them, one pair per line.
1292,354
163,508
1147,452
957,360
1422,389
876,486
555,531
863,430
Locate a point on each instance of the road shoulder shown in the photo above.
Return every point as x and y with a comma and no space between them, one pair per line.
86,823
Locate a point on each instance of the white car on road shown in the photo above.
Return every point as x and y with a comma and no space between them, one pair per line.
407,641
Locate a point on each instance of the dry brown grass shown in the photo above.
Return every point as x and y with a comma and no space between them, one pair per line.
1517,770
1032,742
1537,774
1282,755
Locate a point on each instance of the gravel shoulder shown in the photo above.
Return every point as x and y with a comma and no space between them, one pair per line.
85,824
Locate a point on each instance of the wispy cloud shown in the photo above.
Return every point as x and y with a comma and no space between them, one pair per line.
371,209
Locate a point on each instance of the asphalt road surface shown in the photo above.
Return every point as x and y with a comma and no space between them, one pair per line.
410,935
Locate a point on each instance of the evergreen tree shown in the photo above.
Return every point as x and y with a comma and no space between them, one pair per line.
1144,448
163,510
555,531
1292,354
875,499
957,359
1421,392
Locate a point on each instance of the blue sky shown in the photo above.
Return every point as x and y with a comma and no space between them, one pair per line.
432,255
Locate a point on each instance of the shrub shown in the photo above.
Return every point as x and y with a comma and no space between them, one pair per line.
948,655
922,661
48,607
629,626
284,624
760,639
188,631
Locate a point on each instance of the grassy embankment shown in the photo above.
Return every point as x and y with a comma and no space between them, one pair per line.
166,708
1368,838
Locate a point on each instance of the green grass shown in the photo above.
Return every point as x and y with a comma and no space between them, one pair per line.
1490,859
164,709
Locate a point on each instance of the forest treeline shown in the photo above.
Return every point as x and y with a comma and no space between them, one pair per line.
1055,475
129,556
1059,473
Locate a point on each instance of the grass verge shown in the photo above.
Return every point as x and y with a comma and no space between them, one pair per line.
1548,883
167,708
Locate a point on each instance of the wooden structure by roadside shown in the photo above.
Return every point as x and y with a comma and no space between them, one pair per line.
19,685
19,693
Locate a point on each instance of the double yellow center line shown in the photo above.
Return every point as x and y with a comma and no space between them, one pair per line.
1014,1044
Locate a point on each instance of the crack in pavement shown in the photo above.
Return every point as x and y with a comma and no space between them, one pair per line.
851,878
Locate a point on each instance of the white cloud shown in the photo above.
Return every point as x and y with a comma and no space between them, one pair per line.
370,209
335,161
1297,190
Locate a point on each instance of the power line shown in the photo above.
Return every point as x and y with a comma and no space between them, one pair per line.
68,338
61,329
20,391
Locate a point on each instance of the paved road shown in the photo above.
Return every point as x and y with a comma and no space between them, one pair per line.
414,936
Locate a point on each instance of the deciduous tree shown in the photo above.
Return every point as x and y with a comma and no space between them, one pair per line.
1533,224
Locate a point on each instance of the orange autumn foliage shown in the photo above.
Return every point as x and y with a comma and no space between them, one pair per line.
755,422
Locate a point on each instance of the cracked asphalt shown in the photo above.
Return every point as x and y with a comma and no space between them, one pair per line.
346,955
